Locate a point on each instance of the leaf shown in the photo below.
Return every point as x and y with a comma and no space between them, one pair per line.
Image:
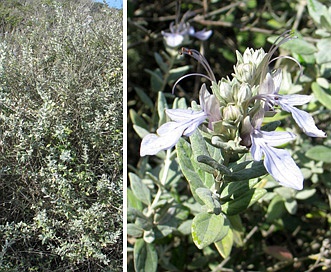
145,257
133,202
286,193
224,246
164,67
141,132
176,73
316,10
184,154
244,201
137,119
156,80
291,206
278,252
149,236
276,209
139,189
323,97
185,227
200,148
253,169
305,194
134,230
323,56
237,188
298,46
214,164
209,199
144,97
319,153
208,228
161,106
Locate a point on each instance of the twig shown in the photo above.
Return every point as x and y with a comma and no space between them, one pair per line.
231,25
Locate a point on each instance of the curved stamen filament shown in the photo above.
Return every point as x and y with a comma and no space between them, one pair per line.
285,37
185,76
201,59
288,57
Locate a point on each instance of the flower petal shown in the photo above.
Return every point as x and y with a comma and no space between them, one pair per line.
277,78
184,115
173,39
185,123
268,85
294,99
276,138
210,105
201,35
304,120
278,162
153,143
282,167
256,150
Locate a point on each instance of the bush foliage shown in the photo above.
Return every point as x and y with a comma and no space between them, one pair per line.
279,230
60,136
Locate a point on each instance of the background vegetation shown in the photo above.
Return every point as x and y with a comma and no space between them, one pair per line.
286,230
60,136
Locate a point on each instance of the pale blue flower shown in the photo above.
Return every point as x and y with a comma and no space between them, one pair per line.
277,162
202,35
180,31
269,92
184,123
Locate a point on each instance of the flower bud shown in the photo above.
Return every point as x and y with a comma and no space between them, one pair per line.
247,64
232,114
244,93
225,91
246,129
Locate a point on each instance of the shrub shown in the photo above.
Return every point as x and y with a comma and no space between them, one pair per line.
61,137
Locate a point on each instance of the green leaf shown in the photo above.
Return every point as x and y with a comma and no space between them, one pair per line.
305,194
199,148
319,153
286,193
161,106
316,10
276,209
144,97
149,236
248,170
323,56
156,80
145,257
141,132
134,230
209,199
208,228
224,246
164,66
214,164
137,119
244,201
176,73
184,153
298,46
323,97
185,227
133,202
291,206
237,229
139,189
237,188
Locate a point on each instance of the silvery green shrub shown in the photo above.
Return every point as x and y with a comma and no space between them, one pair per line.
200,196
61,137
